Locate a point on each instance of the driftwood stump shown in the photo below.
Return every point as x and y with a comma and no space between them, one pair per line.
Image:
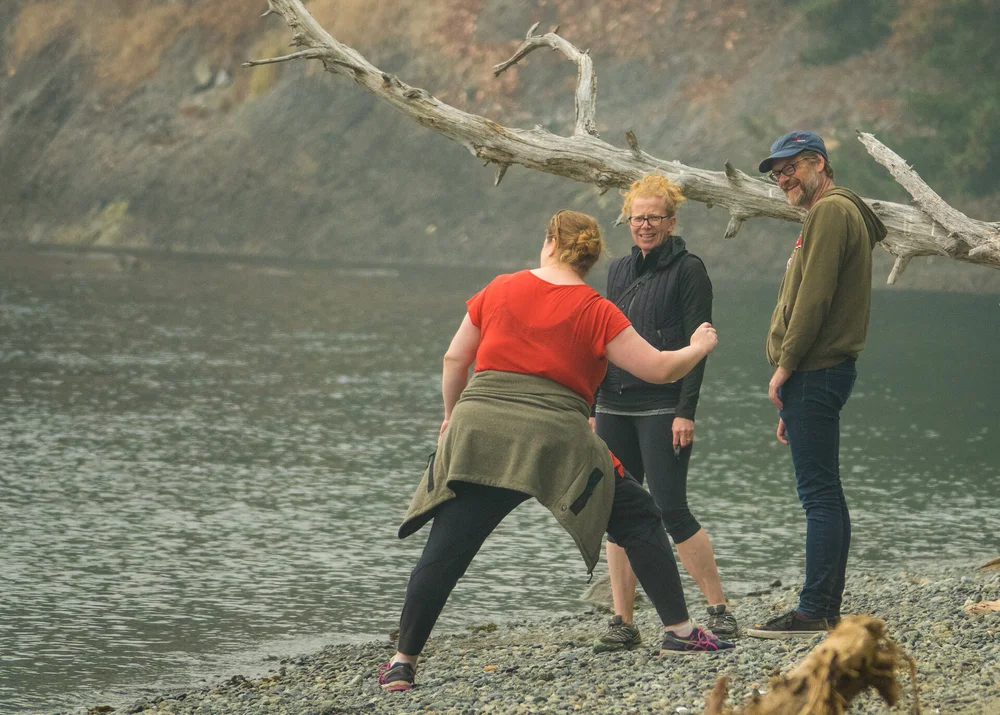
857,655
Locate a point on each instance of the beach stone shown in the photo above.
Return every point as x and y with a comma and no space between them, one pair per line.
547,666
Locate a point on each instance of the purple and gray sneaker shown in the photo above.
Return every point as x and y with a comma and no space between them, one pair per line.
396,676
698,641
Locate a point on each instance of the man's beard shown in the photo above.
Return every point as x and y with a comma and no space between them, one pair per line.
807,190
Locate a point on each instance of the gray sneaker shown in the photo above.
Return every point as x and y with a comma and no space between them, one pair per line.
792,625
722,623
619,636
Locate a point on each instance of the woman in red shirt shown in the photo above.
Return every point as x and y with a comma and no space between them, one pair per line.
540,341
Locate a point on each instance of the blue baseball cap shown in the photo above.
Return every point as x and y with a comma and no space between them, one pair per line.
791,144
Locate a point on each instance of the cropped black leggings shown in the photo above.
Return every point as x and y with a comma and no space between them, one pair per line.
645,447
462,524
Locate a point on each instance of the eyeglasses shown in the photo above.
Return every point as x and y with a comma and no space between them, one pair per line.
637,221
786,170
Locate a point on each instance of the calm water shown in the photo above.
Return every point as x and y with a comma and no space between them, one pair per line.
202,466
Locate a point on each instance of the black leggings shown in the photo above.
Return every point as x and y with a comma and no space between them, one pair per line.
645,447
462,524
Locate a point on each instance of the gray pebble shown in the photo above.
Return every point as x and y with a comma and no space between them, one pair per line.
549,666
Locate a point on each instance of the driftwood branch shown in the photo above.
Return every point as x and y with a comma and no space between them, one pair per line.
927,229
498,176
857,656
586,83
993,563
301,55
898,266
952,233
633,142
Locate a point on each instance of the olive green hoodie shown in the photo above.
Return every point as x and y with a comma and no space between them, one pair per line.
824,301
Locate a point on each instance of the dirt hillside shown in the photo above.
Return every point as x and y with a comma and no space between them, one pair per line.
128,124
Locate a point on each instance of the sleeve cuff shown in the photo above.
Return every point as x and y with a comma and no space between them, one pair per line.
789,362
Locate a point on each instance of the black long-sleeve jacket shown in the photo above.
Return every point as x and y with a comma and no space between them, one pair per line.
666,295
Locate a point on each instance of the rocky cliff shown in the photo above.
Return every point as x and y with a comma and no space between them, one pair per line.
132,125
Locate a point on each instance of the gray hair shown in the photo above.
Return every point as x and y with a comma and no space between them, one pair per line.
813,156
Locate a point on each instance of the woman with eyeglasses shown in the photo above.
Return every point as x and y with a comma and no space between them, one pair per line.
540,340
665,292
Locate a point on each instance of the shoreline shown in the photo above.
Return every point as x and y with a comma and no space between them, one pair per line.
549,666
136,259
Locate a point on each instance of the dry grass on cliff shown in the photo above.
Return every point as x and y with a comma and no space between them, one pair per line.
126,40
36,26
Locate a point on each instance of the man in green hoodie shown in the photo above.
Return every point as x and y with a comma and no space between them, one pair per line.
817,330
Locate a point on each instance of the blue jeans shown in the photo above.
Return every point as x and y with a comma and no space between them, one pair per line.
812,402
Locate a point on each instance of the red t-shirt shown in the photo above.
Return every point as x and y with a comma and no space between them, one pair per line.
534,327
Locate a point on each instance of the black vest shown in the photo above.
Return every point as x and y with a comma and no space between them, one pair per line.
651,302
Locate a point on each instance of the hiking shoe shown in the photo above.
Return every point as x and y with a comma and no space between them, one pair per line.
722,623
396,676
699,641
792,625
619,636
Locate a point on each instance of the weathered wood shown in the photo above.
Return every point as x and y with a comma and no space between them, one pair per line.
301,55
982,607
929,229
993,563
952,233
856,656
586,84
501,170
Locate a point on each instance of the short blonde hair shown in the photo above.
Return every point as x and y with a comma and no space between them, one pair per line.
653,186
579,242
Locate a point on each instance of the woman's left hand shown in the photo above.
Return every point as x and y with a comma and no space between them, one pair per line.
444,426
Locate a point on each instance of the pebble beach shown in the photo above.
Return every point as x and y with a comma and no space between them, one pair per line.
515,666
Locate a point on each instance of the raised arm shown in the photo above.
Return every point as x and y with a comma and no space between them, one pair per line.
457,361
631,352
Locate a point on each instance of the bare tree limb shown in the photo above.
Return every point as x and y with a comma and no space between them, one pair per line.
986,252
734,175
586,83
932,229
301,55
898,266
733,227
501,170
957,223
633,142
952,233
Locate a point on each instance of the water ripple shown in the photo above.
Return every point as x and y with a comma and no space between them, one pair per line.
197,474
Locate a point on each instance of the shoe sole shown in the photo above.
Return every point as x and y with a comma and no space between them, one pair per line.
726,636
776,635
615,649
695,652
397,687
